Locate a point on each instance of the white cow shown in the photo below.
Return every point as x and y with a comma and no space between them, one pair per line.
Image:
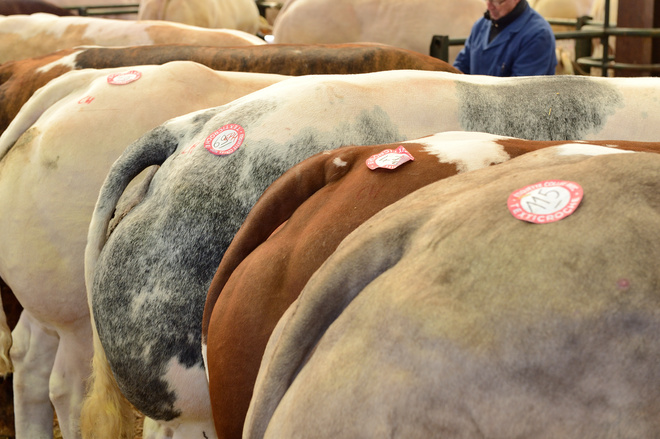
410,25
562,8
448,315
28,36
154,269
228,14
53,158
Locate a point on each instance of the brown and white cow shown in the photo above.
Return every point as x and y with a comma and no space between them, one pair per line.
447,314
155,267
27,36
298,222
227,14
53,159
20,78
16,7
410,25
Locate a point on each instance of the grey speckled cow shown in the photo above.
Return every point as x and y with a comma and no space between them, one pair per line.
147,284
446,316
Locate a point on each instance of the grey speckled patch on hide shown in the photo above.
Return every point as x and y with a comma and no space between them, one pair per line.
556,109
153,273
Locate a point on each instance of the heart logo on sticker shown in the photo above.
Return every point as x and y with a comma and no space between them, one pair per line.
225,140
124,78
546,201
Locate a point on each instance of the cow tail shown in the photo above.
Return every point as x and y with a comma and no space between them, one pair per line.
152,149
105,412
273,209
6,366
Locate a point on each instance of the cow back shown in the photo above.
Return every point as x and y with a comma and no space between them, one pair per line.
20,78
444,312
27,36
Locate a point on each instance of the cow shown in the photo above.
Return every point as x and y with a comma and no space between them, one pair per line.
571,9
28,36
298,222
468,310
350,58
155,268
227,14
21,7
12,311
384,21
19,79
53,159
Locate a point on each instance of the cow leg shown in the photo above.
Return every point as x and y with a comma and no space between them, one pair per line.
196,429
67,381
33,355
153,430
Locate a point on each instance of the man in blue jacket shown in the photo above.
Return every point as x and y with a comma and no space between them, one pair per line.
511,39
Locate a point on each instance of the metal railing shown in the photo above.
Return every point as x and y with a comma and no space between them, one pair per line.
90,11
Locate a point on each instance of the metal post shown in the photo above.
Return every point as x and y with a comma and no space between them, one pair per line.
604,40
440,47
583,46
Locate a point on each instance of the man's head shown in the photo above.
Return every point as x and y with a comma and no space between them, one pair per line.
500,8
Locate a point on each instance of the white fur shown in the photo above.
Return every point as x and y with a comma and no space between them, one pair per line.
227,14
26,36
587,149
467,150
410,25
339,162
68,61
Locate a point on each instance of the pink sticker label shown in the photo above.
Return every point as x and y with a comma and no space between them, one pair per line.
124,78
225,140
389,158
545,202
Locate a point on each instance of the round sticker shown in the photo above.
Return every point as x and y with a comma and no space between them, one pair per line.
225,140
124,78
545,202
389,158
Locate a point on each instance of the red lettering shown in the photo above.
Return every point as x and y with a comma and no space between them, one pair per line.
86,100
189,149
